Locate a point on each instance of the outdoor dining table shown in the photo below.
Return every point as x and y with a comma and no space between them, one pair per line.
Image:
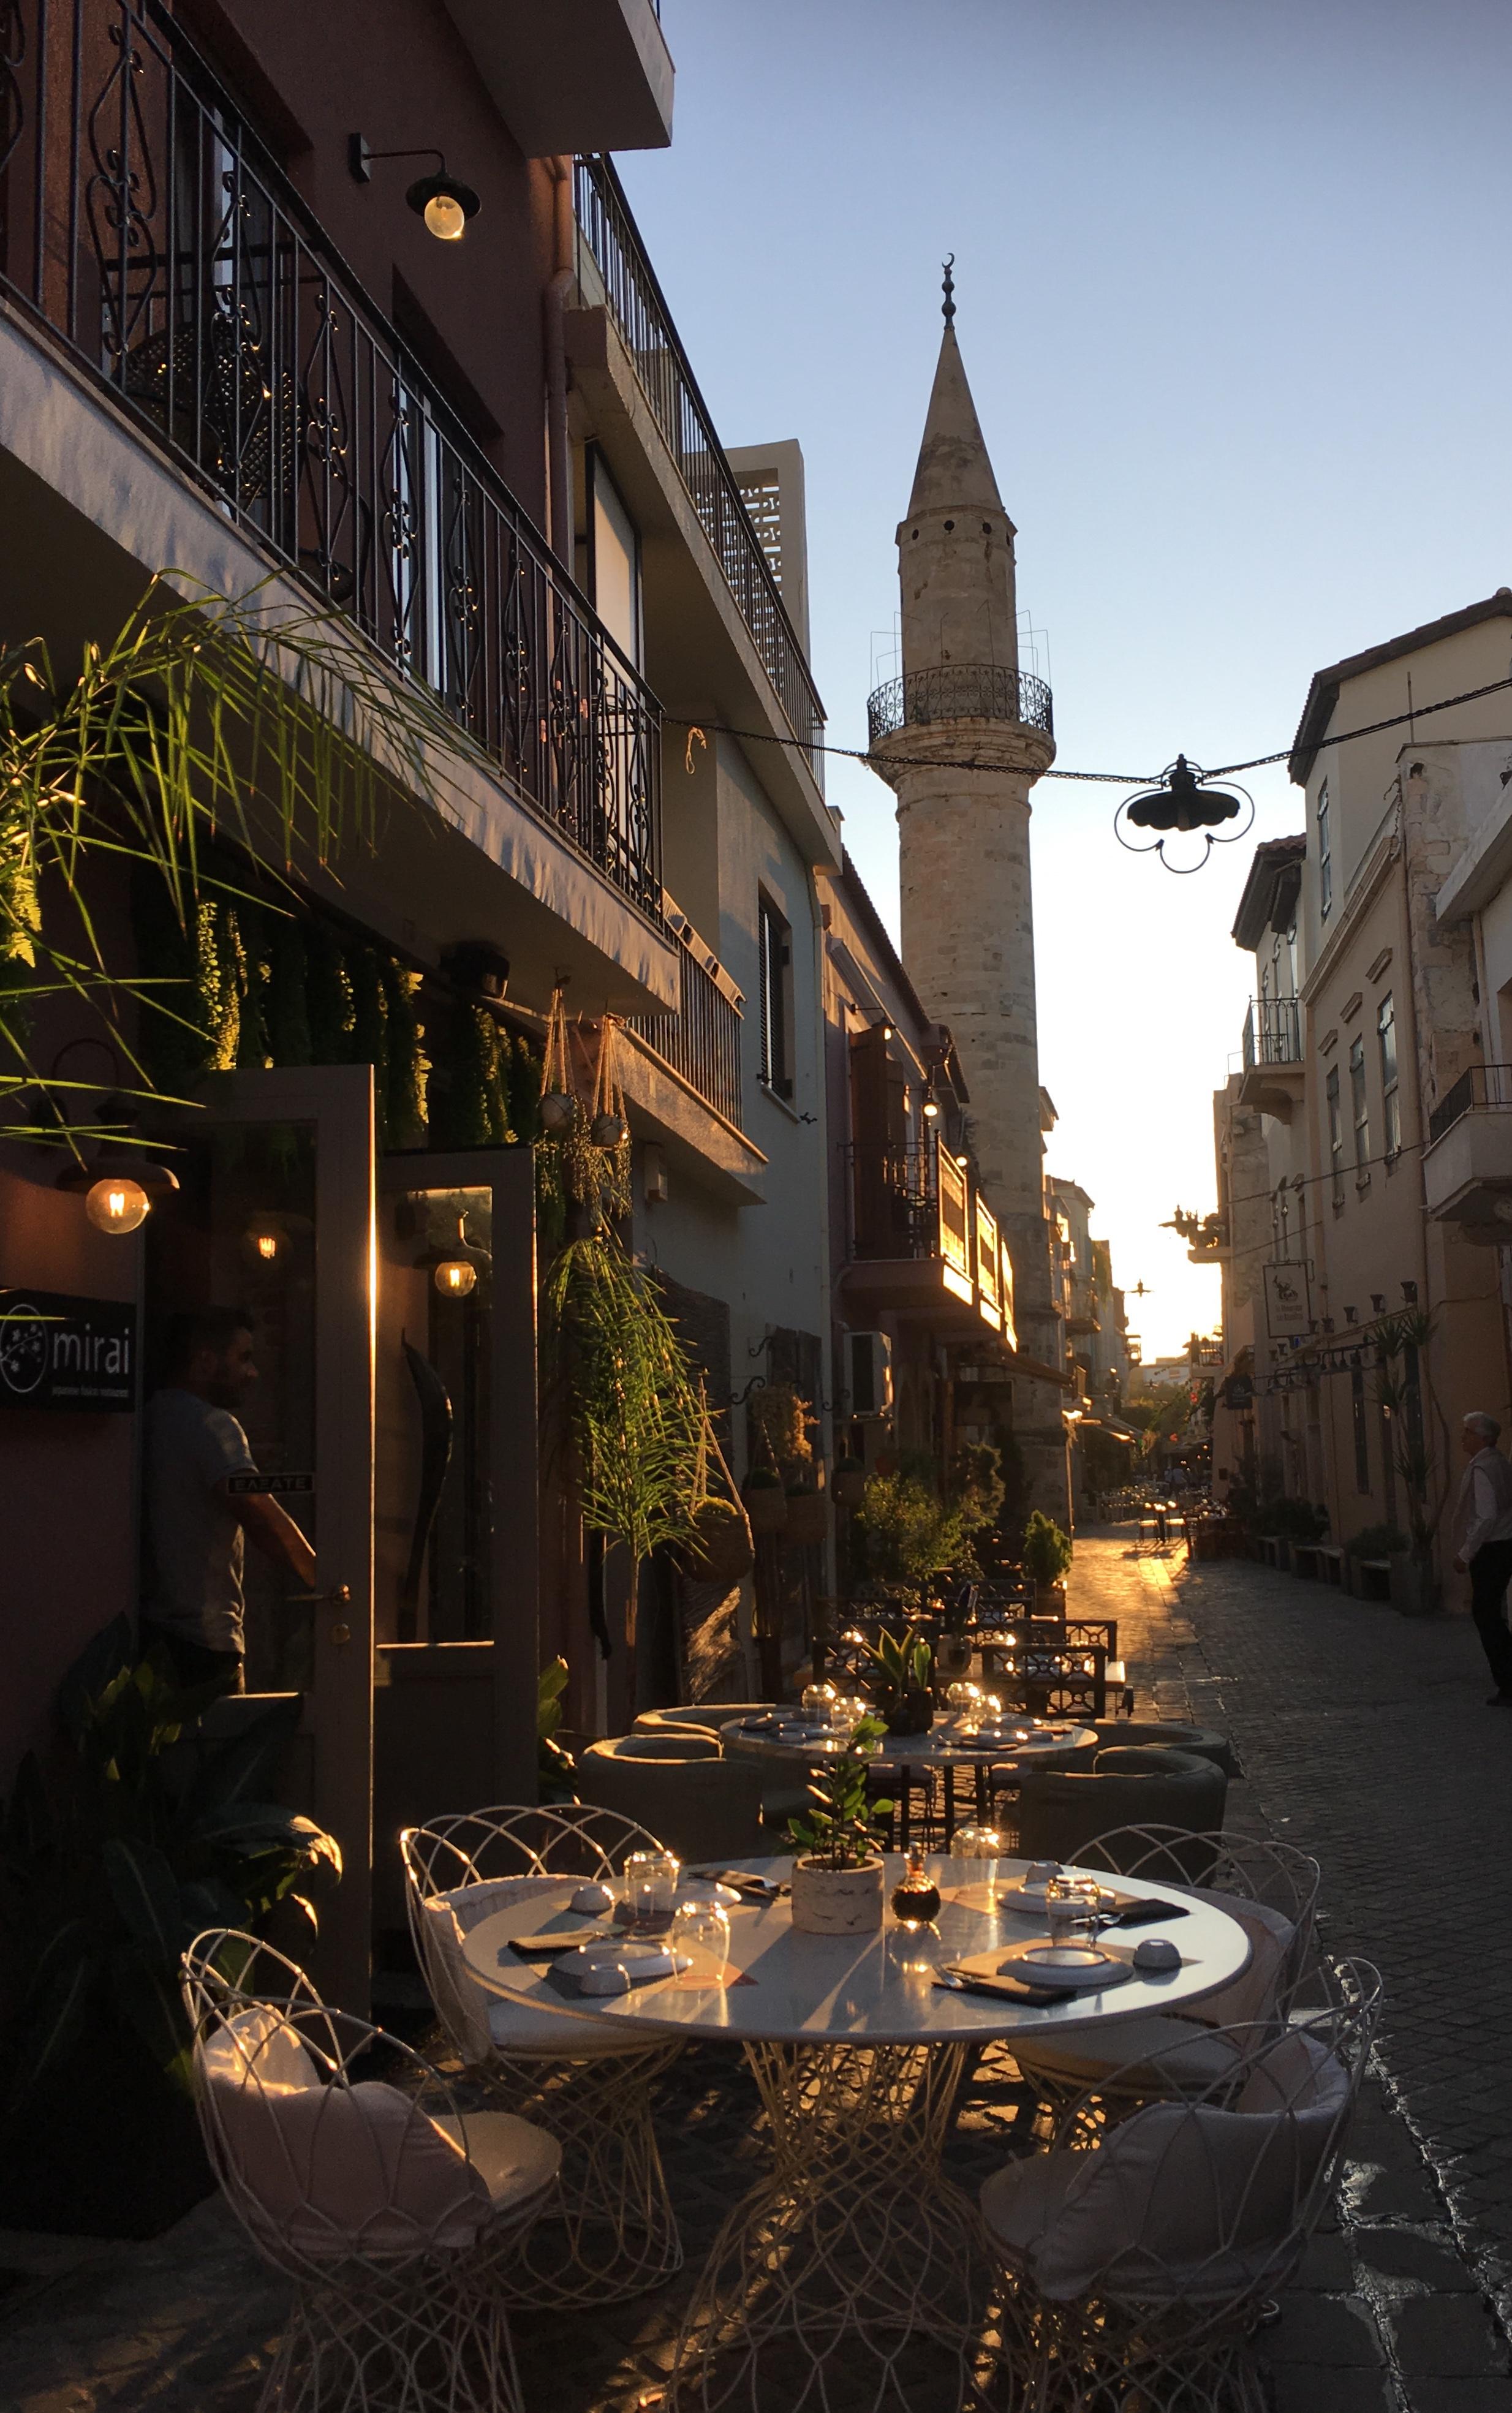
948,1744
854,2242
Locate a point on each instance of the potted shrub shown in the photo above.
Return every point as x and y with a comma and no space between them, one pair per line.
837,1871
1046,1558
953,1653
807,1511
905,1668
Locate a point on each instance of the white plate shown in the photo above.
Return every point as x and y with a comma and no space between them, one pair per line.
1070,1966
605,1968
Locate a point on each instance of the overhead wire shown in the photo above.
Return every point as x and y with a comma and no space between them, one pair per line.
1104,779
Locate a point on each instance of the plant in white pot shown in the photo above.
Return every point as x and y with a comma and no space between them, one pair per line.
837,1871
1046,1559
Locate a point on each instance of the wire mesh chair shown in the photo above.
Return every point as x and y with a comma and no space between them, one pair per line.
1143,2252
394,2213
587,2083
1270,1888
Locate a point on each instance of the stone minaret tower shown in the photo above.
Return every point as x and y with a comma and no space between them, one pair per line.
967,916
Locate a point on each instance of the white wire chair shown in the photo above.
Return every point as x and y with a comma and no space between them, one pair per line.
394,2213
1143,2252
1270,1888
613,2233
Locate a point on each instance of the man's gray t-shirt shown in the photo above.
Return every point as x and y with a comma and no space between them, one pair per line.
194,1542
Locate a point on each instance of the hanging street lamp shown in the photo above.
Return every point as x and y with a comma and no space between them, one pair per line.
1184,803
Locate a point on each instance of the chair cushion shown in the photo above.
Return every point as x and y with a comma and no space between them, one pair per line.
1184,2198
334,2171
1251,1996
1184,2051
257,2043
515,2160
668,1742
482,2023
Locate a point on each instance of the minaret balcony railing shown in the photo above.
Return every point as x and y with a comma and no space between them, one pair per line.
147,226
960,692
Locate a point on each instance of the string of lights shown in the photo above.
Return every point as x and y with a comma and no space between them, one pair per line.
1102,778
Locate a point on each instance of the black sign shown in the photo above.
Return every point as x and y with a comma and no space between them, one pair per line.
241,1485
61,1351
1238,1392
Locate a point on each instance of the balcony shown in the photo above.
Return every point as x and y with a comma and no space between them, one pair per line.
146,227
924,1243
613,263
701,1042
960,692
1467,1166
592,75
1273,1077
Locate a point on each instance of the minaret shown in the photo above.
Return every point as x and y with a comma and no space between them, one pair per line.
963,833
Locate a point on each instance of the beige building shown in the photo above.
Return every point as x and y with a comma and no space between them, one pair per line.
1350,1173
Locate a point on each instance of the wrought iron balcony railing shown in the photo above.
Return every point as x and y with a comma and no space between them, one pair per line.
1273,1032
1482,1086
608,235
143,221
702,1040
960,692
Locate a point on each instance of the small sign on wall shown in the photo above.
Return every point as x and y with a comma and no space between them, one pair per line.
57,1351
1288,1301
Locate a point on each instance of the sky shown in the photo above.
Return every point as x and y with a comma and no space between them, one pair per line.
1231,284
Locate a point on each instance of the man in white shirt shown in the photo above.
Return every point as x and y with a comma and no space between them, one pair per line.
194,1605
1483,1545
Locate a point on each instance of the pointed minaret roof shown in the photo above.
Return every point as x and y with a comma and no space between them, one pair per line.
954,471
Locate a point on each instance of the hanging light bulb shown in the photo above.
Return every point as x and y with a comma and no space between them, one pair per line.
116,1206
930,1108
446,204
454,1268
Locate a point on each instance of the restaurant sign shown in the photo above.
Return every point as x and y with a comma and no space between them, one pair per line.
57,1351
1288,1301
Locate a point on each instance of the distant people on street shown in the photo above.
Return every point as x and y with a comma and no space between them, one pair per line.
1483,1545
194,1608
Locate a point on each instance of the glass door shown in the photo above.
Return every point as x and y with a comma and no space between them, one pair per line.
275,1215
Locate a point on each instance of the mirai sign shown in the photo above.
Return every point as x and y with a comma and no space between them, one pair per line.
57,1351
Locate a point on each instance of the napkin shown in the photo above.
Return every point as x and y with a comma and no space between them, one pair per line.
560,1939
1007,1989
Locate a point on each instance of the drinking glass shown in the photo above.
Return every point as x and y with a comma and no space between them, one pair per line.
701,1930
980,1848
1072,1909
817,1703
651,1887
961,1698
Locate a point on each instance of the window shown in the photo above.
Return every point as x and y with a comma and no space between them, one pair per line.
1325,853
773,975
1335,1137
1363,1431
1386,1024
1359,1105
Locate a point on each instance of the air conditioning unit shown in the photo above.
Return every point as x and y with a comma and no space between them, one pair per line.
869,1369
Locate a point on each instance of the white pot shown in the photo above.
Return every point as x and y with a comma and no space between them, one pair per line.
838,1901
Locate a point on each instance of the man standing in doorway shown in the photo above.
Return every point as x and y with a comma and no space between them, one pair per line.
196,1523
1483,1545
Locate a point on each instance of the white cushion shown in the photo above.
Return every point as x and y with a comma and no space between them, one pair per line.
515,2160
480,2022
1185,2050
1182,2199
334,2171
1251,1996
258,2042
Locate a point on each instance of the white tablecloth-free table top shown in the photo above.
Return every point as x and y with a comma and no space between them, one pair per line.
1020,1741
825,1990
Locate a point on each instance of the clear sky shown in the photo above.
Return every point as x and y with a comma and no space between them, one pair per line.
1232,284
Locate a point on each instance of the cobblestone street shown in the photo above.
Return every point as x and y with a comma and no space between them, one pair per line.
1363,1738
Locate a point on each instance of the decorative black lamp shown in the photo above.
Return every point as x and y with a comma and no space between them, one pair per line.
1183,802
444,202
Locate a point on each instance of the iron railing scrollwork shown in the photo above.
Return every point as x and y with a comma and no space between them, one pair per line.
608,235
143,221
700,1040
960,692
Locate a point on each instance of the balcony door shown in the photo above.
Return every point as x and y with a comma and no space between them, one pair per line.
274,1212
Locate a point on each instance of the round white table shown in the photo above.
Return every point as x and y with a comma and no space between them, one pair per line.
856,2237
948,1742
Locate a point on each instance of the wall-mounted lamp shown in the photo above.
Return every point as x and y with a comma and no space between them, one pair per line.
930,1108
120,1188
1409,1292
455,1266
1378,1302
444,201
1350,1315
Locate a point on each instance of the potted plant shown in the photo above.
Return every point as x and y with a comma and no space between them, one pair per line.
1046,1558
953,1652
838,1871
905,1668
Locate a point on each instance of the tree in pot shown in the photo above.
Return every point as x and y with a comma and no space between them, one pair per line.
904,1671
838,1871
1046,1559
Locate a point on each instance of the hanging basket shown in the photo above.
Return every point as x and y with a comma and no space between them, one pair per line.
557,1113
766,1503
721,1550
807,1517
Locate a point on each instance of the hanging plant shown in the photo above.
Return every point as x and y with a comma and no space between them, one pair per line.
407,1067
559,1102
626,1403
525,1081
780,1419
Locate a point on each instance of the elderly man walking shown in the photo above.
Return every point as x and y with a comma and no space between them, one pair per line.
1483,1545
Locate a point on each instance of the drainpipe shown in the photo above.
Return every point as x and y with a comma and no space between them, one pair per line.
558,443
